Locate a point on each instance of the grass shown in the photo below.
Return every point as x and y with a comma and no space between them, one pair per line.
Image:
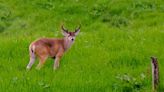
111,53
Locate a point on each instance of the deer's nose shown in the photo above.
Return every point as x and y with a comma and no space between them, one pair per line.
72,39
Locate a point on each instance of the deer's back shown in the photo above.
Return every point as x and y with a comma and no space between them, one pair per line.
48,46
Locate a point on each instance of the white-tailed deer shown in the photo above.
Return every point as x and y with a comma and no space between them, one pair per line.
51,47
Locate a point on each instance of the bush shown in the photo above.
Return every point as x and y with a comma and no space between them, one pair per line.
127,83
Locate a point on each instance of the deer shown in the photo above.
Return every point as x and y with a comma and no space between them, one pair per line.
51,47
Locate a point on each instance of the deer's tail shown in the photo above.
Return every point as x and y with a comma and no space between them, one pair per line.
32,50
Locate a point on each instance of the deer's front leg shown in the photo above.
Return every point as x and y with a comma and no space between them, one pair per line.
57,60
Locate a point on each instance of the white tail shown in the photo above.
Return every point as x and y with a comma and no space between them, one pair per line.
51,47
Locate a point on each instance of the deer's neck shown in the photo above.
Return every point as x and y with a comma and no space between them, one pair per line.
67,44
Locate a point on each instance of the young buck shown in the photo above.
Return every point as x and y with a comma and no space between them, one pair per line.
51,47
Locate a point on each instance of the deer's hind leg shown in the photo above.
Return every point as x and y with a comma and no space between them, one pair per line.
42,55
42,60
32,59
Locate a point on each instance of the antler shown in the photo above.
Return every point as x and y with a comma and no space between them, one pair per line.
77,29
62,27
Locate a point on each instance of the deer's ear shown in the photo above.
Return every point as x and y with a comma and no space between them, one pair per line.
77,30
64,31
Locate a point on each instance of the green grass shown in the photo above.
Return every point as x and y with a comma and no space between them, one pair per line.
111,53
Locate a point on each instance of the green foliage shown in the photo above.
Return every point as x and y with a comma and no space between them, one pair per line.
126,83
111,53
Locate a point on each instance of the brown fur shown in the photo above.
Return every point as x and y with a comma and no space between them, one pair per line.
51,47
48,46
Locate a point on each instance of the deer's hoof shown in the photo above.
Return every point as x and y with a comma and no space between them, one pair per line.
55,68
28,68
38,68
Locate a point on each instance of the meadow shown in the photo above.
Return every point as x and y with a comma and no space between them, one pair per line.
111,53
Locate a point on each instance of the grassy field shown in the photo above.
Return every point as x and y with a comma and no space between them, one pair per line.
111,53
